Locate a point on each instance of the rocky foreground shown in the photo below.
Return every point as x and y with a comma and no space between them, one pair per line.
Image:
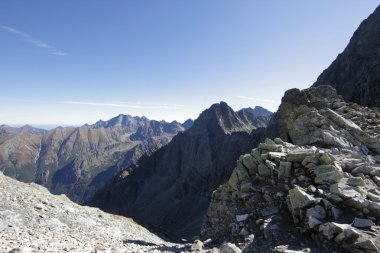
33,220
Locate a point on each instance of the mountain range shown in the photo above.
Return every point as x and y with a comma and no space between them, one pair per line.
304,179
77,161
169,191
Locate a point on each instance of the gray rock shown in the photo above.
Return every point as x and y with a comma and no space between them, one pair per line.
264,171
373,197
362,223
242,217
331,230
374,208
299,198
268,211
249,162
298,155
355,181
197,246
284,170
344,191
228,247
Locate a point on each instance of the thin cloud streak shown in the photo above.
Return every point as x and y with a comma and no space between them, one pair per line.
36,42
258,99
125,105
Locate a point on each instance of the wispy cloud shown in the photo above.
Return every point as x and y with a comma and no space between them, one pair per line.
36,42
258,99
126,105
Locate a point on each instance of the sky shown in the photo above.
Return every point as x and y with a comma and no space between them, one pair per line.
77,61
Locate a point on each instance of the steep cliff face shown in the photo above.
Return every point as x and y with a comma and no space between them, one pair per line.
318,189
170,190
78,161
356,71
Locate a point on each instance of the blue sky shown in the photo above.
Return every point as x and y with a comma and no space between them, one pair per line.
76,61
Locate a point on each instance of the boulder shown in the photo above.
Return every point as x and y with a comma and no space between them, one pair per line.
284,170
332,230
298,198
264,171
228,247
249,162
362,223
197,246
242,217
298,155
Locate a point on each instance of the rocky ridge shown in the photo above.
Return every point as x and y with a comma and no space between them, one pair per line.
356,71
322,187
78,161
170,190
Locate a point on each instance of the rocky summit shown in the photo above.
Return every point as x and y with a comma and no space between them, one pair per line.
170,190
356,71
314,190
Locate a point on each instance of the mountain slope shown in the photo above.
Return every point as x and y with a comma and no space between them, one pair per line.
33,220
356,71
170,190
78,161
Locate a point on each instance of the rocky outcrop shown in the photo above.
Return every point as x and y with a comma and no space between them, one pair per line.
356,71
300,196
319,116
33,220
78,161
170,190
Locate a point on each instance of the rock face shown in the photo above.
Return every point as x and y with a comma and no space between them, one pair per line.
324,196
356,71
78,161
319,182
33,220
318,116
170,190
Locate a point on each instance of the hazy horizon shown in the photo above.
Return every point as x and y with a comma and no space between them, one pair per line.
76,62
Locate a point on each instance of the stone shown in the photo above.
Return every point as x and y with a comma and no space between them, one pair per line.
326,158
228,247
249,162
264,171
355,181
312,188
269,146
374,208
366,169
331,229
268,211
299,198
242,217
367,246
351,163
335,212
373,197
357,202
276,155
310,161
197,246
316,212
298,155
284,170
344,191
362,223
